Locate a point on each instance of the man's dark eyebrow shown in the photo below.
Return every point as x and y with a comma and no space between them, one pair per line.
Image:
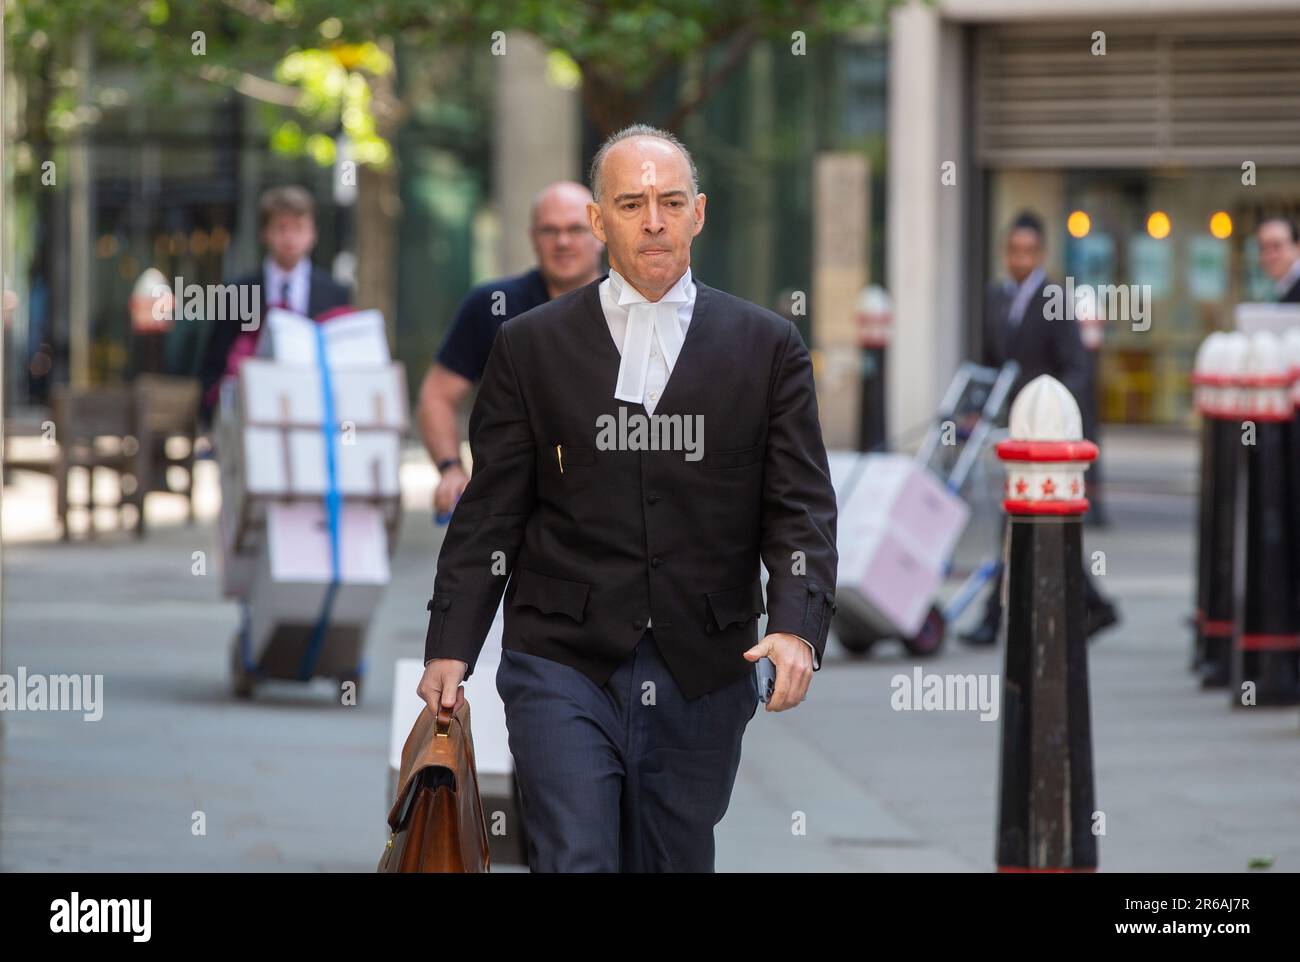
619,198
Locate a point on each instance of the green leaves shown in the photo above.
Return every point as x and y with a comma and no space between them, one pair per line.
328,62
334,92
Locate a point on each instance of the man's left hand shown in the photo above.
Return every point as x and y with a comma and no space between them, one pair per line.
794,668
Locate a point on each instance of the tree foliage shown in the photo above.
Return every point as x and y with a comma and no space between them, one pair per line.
321,59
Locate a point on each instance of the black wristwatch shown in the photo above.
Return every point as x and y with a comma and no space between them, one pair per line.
446,463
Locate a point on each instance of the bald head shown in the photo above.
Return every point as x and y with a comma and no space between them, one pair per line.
623,140
647,207
568,255
559,194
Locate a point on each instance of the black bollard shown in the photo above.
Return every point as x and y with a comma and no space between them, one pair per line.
1217,369
874,318
1046,805
1217,622
1202,394
872,431
1291,354
1265,666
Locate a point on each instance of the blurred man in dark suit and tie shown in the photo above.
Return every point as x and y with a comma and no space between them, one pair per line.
287,279
1017,327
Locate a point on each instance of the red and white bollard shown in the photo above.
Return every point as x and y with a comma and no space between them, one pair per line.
1265,668
1216,376
1045,817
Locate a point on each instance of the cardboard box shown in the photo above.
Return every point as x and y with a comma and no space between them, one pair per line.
1250,317
894,492
280,463
898,585
897,527
294,569
355,340
238,569
274,456
271,444
365,399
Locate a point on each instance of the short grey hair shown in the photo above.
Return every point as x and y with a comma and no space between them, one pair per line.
638,130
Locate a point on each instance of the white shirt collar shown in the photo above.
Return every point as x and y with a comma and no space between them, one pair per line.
1285,282
625,294
637,324
1023,292
297,279
1031,282
299,271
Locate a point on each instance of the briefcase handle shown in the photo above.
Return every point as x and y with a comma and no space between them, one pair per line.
443,728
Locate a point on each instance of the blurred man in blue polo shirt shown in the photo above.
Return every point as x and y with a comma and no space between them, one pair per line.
568,257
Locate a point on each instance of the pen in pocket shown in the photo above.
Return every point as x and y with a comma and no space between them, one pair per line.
559,456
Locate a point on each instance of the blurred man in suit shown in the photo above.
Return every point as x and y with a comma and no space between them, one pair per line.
1017,328
568,256
1279,255
287,279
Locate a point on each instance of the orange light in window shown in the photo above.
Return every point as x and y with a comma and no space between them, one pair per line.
1078,224
1158,225
1221,224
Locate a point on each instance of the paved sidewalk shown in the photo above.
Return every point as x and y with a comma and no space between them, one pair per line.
293,781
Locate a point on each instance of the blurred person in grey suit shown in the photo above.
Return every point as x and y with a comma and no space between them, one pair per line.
1017,328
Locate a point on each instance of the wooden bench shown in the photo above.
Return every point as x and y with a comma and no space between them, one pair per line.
126,430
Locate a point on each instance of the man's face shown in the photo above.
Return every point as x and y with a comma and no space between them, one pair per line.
567,252
289,237
1277,252
647,215
1024,253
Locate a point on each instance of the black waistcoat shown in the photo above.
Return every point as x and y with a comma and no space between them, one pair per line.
589,542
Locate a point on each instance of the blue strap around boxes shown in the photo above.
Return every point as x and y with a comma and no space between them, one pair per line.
332,504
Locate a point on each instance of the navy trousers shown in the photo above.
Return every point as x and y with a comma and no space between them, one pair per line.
624,777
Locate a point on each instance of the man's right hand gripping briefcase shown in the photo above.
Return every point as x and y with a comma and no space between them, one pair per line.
437,821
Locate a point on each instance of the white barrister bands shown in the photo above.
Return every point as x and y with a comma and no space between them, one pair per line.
647,322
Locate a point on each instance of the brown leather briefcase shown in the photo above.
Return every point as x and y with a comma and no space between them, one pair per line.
437,821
